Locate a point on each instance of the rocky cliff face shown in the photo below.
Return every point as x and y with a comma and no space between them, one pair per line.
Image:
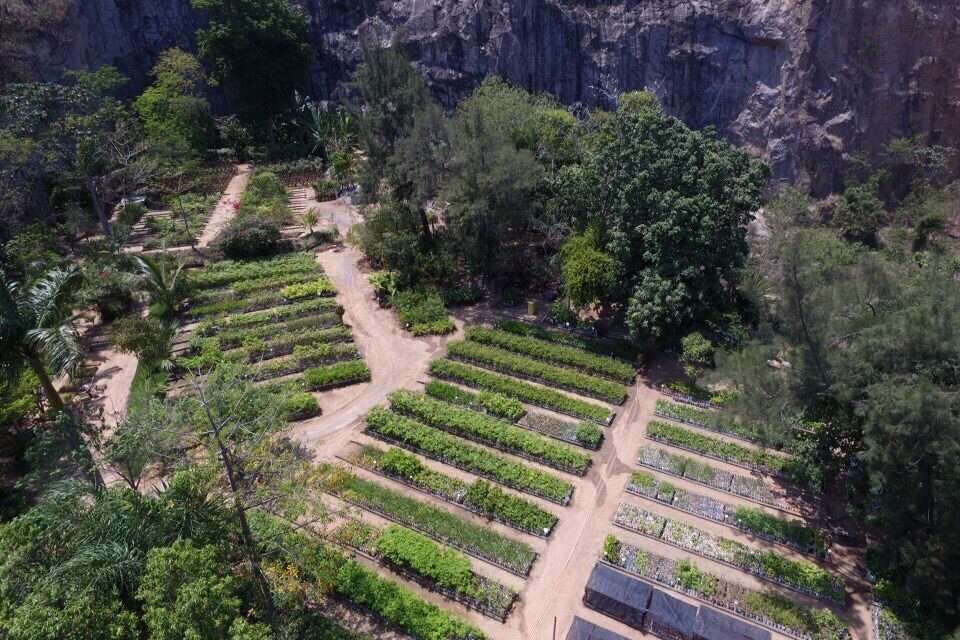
805,84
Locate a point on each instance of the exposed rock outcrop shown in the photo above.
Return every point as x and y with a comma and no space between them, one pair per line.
805,84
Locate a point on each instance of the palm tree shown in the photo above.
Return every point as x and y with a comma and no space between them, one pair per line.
37,328
165,283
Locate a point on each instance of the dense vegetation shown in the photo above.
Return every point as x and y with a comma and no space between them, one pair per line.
825,329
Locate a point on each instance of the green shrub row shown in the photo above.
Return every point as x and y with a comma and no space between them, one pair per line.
252,342
495,403
224,272
322,286
258,302
439,327
303,356
256,348
338,374
441,446
548,374
235,337
248,287
441,566
418,307
523,391
431,520
299,406
489,430
283,312
625,352
556,353
792,532
482,497
400,606
729,451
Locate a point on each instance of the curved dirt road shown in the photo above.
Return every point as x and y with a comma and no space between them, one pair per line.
395,359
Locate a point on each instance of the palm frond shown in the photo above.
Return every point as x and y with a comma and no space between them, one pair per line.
51,297
103,566
59,345
12,325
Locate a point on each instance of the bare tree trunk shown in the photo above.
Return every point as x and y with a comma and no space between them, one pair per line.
51,393
98,206
248,542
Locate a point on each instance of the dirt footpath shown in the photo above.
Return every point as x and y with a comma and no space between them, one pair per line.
224,211
395,358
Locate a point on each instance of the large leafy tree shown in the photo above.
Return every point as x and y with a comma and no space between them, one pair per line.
673,205
260,51
868,359
490,184
392,94
176,114
37,328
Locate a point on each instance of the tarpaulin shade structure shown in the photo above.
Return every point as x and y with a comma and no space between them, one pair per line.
713,625
669,617
585,630
618,595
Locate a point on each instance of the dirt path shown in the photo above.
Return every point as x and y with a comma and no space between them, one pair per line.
395,358
224,211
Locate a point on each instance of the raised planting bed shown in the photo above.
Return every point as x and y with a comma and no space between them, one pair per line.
225,272
276,343
480,497
586,434
558,354
801,576
340,374
323,324
792,533
471,376
705,419
399,606
730,452
512,364
440,446
256,302
516,557
490,402
625,352
766,607
489,431
276,314
691,469
433,566
250,287
235,336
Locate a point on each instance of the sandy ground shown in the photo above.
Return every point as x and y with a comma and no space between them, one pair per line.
224,211
552,593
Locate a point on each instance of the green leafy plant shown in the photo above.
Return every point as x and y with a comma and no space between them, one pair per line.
436,444
548,374
523,391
